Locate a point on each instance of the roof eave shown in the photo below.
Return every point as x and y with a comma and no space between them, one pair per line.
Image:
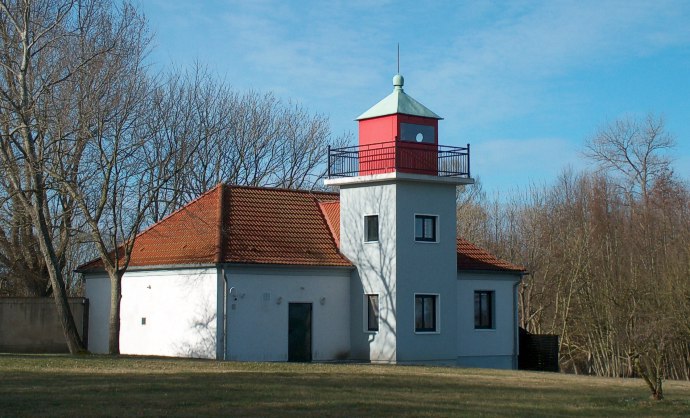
492,271
282,265
153,267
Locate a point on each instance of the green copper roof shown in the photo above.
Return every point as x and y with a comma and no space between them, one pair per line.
398,102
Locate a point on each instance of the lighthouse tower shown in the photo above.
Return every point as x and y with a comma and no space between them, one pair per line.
398,227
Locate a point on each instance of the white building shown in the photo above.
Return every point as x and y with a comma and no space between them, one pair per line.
373,273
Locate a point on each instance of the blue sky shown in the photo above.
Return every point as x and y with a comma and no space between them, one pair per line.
525,83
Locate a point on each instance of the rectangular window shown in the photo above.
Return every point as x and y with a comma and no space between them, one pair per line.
483,309
425,313
372,312
371,228
425,228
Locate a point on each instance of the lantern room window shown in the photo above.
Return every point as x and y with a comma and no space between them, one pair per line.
412,132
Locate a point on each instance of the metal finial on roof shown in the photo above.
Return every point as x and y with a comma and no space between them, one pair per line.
398,82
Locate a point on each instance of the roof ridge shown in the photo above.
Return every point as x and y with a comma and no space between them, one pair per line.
281,189
328,221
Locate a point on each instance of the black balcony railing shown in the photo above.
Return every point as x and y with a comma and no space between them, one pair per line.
406,157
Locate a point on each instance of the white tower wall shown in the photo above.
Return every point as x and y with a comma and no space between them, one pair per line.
376,266
426,268
396,267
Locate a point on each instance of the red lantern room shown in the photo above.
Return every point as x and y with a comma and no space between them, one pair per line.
398,134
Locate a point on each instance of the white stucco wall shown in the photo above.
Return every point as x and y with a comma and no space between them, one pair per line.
376,266
493,348
257,311
177,306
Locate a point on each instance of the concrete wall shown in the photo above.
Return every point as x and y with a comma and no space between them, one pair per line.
257,311
30,325
397,267
493,348
167,312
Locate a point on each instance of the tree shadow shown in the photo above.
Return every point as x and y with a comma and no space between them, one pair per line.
375,272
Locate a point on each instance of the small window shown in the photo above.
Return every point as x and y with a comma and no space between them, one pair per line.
483,309
425,313
371,228
425,228
372,313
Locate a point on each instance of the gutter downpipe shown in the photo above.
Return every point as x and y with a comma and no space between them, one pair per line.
225,313
516,324
221,270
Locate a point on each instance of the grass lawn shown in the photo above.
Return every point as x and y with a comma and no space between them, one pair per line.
40,385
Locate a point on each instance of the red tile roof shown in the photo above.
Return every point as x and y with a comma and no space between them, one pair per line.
187,236
251,225
471,257
278,226
234,224
331,211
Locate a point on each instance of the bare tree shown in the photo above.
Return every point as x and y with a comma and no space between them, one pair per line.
113,165
608,270
34,62
24,272
73,93
244,138
634,149
472,216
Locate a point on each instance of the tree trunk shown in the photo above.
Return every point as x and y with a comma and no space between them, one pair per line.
655,383
74,342
64,313
114,329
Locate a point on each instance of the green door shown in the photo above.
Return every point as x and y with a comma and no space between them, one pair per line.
299,332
